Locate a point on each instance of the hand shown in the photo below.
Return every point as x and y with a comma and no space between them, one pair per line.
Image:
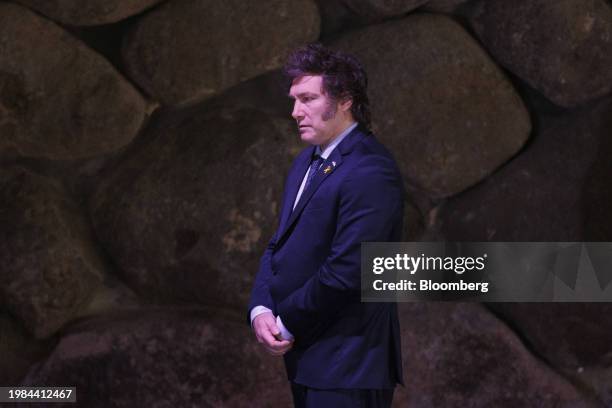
269,335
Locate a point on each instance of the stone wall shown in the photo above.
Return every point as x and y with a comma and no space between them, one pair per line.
143,148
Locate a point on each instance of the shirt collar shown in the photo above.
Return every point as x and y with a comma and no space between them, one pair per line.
325,154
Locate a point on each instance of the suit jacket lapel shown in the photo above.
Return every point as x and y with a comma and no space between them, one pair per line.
327,169
293,186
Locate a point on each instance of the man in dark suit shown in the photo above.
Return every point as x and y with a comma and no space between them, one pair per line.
343,190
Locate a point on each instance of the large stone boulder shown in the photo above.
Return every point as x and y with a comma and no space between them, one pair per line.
574,338
19,351
380,9
445,110
336,16
90,12
562,48
444,6
112,296
459,355
182,358
189,50
49,265
187,216
555,190
58,98
342,15
414,225
266,93
582,336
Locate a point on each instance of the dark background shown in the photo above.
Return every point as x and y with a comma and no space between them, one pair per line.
143,148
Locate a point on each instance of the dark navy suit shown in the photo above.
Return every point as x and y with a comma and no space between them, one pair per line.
310,271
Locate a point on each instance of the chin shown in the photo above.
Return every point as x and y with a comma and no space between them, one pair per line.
309,138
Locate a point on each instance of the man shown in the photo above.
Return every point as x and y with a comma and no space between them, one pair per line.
341,191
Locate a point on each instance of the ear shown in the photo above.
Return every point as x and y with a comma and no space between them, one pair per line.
345,104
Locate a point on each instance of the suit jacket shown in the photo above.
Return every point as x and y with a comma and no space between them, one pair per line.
310,272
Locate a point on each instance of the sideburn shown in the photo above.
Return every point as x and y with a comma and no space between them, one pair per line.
330,111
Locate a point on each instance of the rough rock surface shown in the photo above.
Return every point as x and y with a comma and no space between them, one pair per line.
556,190
189,50
187,217
413,222
341,15
444,109
110,297
582,346
48,264
336,16
459,355
583,337
90,12
58,98
443,6
562,48
266,93
165,359
379,9
19,351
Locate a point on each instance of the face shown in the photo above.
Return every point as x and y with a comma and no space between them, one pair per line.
319,118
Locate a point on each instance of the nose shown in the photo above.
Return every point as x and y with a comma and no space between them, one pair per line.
298,112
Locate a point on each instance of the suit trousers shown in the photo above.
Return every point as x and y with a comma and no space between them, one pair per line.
306,397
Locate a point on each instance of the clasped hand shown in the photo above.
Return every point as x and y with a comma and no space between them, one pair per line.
269,335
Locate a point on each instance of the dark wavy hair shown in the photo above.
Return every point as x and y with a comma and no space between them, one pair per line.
343,76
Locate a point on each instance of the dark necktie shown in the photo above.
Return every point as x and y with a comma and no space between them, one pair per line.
314,166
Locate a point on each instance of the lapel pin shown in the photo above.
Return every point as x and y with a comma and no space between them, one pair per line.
327,170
